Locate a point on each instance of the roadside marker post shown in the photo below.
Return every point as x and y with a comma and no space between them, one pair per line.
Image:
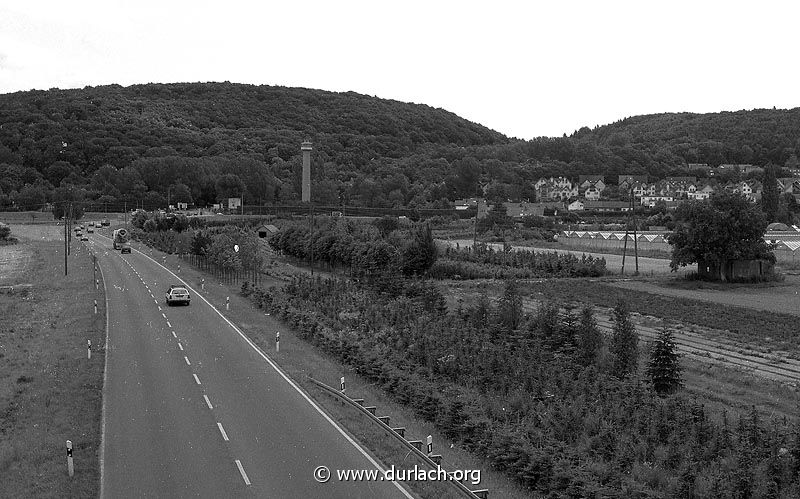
179,268
202,284
342,382
95,307
227,303
89,349
430,445
70,465
97,284
277,341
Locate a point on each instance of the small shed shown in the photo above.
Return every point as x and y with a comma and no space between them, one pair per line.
266,230
735,270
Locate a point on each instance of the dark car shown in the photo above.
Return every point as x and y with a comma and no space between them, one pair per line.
177,294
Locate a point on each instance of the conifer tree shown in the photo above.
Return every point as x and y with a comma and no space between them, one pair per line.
589,336
624,342
664,369
510,309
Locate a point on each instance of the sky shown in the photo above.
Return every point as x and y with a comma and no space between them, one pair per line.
522,68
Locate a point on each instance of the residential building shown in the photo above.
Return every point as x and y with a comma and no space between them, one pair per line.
652,200
584,181
626,181
576,205
592,193
607,206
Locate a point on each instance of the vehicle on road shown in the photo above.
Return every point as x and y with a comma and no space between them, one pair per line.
177,294
125,248
91,224
90,230
84,237
120,237
105,223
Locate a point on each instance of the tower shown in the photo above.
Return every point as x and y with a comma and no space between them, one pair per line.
306,148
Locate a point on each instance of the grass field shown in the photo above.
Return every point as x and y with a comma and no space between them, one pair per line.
49,391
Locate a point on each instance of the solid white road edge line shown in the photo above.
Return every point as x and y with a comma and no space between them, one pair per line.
105,384
286,378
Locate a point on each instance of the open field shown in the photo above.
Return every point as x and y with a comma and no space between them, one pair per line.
647,266
781,298
49,391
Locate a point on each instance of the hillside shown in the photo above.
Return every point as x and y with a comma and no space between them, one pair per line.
202,142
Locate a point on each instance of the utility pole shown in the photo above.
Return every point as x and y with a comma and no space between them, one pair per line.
66,236
631,220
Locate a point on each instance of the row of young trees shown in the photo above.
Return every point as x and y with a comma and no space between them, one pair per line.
544,397
535,264
370,251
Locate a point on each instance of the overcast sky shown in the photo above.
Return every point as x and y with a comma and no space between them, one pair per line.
525,69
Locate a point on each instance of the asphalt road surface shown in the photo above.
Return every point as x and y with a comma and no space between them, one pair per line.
193,409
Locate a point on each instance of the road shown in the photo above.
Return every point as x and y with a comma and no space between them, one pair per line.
193,409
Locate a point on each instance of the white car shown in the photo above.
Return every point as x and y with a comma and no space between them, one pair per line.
177,294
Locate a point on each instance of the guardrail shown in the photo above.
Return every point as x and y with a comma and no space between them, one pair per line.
399,435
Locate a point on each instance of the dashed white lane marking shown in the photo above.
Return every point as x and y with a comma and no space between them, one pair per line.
196,379
187,360
241,470
159,307
180,346
168,324
162,314
174,335
156,301
222,430
208,402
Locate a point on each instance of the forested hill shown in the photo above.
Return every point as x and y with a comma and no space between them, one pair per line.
755,137
204,142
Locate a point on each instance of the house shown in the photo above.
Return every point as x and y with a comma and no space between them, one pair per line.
519,210
626,181
640,190
576,205
266,230
586,181
652,200
607,206
555,188
789,185
592,193
700,194
234,203
685,180
465,204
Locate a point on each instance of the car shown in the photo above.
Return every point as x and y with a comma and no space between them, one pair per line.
90,230
125,248
84,237
106,222
91,224
177,294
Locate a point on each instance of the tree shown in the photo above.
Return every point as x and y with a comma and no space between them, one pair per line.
663,369
624,342
590,339
718,230
420,254
510,308
770,196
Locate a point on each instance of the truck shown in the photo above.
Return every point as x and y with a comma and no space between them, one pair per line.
120,238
